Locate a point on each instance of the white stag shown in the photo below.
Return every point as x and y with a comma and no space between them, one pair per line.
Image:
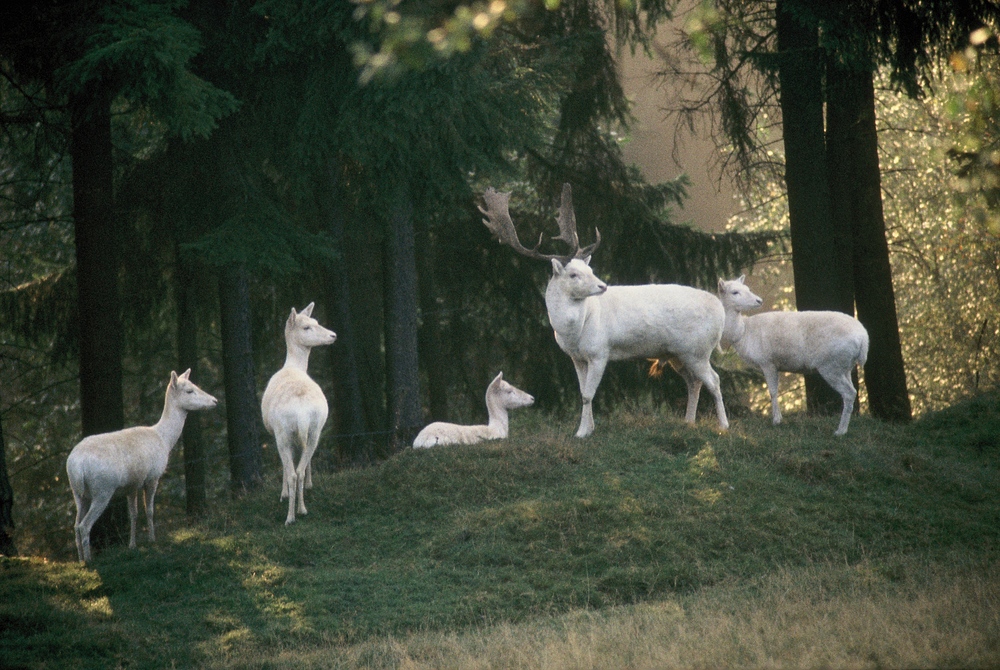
595,323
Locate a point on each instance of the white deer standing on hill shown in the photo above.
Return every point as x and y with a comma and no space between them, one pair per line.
830,343
595,323
500,397
130,459
294,407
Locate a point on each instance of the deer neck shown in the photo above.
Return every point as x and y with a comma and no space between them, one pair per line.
171,423
499,421
735,328
566,314
297,356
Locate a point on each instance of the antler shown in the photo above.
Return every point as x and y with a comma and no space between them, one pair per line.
567,226
500,224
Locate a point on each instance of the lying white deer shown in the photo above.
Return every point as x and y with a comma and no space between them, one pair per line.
830,343
500,397
130,459
595,323
294,407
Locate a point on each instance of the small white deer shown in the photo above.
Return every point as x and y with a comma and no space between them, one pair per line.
130,459
500,397
294,407
830,343
595,323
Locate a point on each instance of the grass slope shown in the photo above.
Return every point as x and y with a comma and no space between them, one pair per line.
453,541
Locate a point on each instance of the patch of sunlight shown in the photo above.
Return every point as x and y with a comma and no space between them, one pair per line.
704,461
186,535
709,495
100,606
525,513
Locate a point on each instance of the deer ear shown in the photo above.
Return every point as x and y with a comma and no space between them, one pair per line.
309,309
557,267
742,277
586,260
291,317
496,380
173,378
722,285
186,375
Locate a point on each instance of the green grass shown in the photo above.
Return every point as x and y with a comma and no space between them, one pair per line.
456,540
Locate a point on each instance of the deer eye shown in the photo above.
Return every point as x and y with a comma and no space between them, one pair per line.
307,328
189,391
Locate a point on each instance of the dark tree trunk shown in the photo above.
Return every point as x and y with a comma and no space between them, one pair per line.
354,444
98,261
851,128
366,279
819,283
431,342
242,406
402,373
7,547
187,357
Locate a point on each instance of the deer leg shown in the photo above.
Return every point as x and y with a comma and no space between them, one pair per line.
703,372
771,376
289,487
588,388
82,505
97,506
309,445
149,495
132,496
842,384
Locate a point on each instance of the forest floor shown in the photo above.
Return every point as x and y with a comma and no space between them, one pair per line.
650,544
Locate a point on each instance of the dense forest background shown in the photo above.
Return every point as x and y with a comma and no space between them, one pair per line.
176,177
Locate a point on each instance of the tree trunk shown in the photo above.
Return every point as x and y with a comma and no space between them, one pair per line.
402,373
819,283
7,547
242,406
366,278
431,342
187,357
355,444
98,262
851,128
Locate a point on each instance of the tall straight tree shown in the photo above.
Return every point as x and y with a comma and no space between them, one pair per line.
7,546
242,405
819,261
98,262
853,142
195,496
403,377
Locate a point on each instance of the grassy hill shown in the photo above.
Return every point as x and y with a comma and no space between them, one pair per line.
649,544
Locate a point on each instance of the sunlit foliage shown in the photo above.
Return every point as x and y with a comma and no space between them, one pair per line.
946,265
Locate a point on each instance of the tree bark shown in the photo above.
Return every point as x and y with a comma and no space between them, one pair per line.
242,406
430,339
187,357
402,373
7,546
355,444
98,262
820,282
853,136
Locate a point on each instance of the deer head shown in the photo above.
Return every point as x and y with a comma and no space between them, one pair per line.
500,224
